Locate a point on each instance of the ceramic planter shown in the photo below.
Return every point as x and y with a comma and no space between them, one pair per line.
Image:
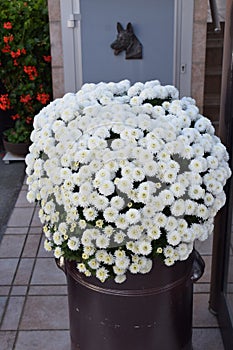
151,311
19,149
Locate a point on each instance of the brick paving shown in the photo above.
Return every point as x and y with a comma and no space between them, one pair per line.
33,295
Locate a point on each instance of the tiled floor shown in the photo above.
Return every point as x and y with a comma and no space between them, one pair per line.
33,295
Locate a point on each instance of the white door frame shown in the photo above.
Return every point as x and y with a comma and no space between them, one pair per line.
72,54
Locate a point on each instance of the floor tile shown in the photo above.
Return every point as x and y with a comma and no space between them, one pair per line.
35,230
201,287
21,217
202,317
16,231
13,313
19,290
35,219
47,272
3,301
31,246
7,339
42,252
11,246
48,290
24,271
207,272
46,340
4,290
45,312
204,248
22,200
7,270
208,339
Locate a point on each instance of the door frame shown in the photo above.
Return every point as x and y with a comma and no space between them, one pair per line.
72,54
224,220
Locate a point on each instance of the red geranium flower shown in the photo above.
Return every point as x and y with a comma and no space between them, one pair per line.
47,58
25,98
15,117
43,98
4,102
7,25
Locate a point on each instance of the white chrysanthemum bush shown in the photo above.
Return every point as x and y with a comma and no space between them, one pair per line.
124,174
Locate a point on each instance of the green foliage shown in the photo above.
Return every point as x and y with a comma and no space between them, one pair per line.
25,61
20,133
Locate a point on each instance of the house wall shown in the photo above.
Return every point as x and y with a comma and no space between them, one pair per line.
199,51
198,57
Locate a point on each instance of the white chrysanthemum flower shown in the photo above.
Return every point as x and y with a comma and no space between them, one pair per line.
110,214
94,264
178,207
120,278
173,237
145,247
167,197
124,184
171,224
169,176
122,263
90,213
134,268
73,243
58,238
47,245
119,237
208,199
150,168
106,187
102,242
58,252
121,222
160,219
196,165
133,216
134,232
196,192
178,189
154,232
102,274
190,207
202,211
117,202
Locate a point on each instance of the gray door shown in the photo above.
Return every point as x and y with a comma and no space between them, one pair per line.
153,23
164,29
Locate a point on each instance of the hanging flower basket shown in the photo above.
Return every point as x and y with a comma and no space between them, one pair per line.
125,175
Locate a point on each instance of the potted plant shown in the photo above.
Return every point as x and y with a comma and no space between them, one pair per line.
25,66
127,178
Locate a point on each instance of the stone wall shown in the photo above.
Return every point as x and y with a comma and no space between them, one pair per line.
56,48
199,51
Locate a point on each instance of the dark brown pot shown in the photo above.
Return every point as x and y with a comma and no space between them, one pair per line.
151,312
19,149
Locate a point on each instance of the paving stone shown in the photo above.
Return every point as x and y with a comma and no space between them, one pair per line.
31,246
13,313
45,312
7,270
46,340
47,272
21,217
24,271
202,317
7,339
11,246
208,339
